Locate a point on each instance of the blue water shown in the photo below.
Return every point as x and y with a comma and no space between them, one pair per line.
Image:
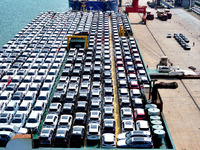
16,14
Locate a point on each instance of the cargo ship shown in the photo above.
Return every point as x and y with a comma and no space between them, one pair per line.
99,5
78,80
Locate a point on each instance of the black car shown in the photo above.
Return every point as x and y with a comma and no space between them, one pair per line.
82,106
58,96
80,118
68,108
83,95
108,126
61,138
77,135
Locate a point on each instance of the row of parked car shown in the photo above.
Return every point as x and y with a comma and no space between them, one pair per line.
131,77
182,40
92,105
28,73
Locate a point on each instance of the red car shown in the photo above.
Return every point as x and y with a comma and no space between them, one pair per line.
133,85
139,114
119,64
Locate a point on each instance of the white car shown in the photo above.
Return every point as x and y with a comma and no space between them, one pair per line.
46,88
128,125
65,121
39,107
24,108
108,140
19,120
142,125
30,97
51,121
11,107
13,128
5,96
136,133
24,87
33,122
43,97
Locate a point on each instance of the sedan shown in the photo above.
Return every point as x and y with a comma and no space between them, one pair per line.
135,142
137,133
108,140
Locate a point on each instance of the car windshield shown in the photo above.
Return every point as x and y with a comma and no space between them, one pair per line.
33,89
60,131
76,129
26,81
15,98
3,120
16,121
9,108
37,108
45,131
79,115
3,97
28,98
22,89
4,137
32,120
42,98
22,108
45,89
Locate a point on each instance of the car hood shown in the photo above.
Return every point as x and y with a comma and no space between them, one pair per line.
121,143
22,131
121,136
31,125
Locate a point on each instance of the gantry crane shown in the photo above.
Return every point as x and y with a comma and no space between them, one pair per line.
135,8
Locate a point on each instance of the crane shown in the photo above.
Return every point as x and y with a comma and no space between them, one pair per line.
135,8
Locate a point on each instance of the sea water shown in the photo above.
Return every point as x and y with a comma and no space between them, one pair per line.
16,14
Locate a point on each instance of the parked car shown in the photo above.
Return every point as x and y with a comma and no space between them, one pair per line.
33,122
5,137
135,142
77,135
139,114
80,118
61,137
126,113
137,103
108,126
108,140
55,108
5,118
136,133
68,108
11,108
95,116
108,112
128,125
19,120
93,132
30,97
142,125
39,107
46,137
65,121
51,121
24,108
82,106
